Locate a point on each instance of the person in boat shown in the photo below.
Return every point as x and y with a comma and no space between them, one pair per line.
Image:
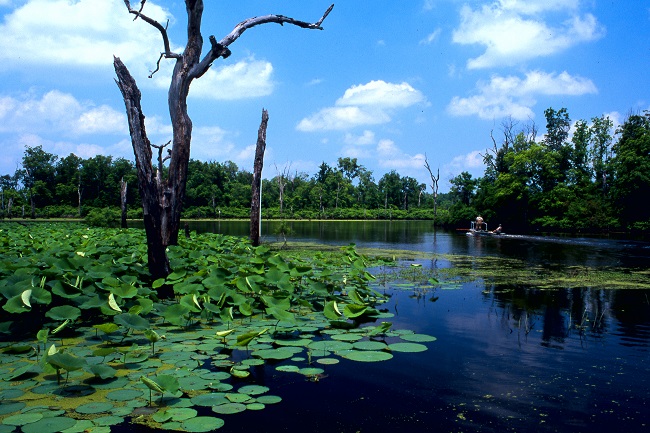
479,223
498,230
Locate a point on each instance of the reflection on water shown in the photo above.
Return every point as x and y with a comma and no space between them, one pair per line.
507,358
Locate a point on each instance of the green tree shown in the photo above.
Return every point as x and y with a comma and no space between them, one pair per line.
38,177
631,167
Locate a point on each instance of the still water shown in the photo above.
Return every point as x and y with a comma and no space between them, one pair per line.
509,361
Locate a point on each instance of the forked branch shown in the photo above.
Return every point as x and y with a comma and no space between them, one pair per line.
162,29
220,49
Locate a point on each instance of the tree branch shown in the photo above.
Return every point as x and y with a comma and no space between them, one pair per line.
220,49
162,29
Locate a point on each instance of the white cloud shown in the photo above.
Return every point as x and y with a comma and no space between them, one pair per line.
60,112
365,104
392,157
514,31
248,78
78,33
514,96
431,37
368,137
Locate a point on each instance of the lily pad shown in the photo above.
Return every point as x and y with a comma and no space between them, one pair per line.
370,345
182,413
211,399
253,389
22,419
229,408
327,361
418,338
255,406
94,407
202,424
367,355
64,312
49,425
407,347
124,394
269,399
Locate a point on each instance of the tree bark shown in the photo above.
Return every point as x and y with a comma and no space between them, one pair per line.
151,191
256,196
123,186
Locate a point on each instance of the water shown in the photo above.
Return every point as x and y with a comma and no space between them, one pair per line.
510,361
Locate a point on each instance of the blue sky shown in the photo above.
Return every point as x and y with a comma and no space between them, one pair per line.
385,81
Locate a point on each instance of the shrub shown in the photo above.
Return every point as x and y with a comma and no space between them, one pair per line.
104,217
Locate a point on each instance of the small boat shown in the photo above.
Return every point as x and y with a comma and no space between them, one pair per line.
479,228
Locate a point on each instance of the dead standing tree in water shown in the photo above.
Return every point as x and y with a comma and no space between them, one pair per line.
256,186
162,198
434,188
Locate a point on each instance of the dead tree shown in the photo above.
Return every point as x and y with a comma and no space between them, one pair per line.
434,188
162,197
282,178
256,186
123,187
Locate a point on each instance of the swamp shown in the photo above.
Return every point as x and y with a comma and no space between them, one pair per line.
410,330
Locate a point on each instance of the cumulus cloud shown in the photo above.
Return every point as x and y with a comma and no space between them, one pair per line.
392,157
247,78
368,137
365,104
78,33
513,31
515,96
60,112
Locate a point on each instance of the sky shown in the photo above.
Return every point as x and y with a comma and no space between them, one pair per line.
387,82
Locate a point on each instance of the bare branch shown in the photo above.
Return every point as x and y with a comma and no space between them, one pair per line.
162,29
220,49
160,148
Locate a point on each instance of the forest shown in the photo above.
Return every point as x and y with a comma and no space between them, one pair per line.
580,178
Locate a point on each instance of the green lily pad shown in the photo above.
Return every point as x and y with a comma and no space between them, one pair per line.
407,347
10,407
229,408
367,355
347,337
288,368
202,424
330,345
327,361
81,426
255,406
94,407
108,420
269,399
279,354
370,345
124,394
418,338
193,383
102,371
49,425
22,419
182,413
211,399
66,361
311,371
253,389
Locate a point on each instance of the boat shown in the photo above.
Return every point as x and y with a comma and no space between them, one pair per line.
480,228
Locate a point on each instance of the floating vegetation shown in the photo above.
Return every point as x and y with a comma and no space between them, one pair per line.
99,347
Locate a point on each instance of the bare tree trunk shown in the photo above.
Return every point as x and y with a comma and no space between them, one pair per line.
258,164
153,198
123,186
79,191
162,199
434,187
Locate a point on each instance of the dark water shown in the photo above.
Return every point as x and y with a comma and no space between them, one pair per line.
504,361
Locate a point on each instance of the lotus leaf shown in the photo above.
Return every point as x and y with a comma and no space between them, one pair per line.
370,345
237,397
211,399
288,368
367,355
66,361
418,338
132,321
354,310
94,407
202,424
332,311
182,413
15,305
346,337
108,420
269,399
280,353
49,425
253,389
102,371
229,408
327,361
124,291
22,419
124,394
107,328
407,347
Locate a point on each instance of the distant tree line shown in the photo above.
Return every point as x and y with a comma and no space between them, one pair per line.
597,179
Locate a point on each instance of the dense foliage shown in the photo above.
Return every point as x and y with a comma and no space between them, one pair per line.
592,179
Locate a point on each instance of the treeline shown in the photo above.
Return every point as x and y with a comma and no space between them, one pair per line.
597,179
